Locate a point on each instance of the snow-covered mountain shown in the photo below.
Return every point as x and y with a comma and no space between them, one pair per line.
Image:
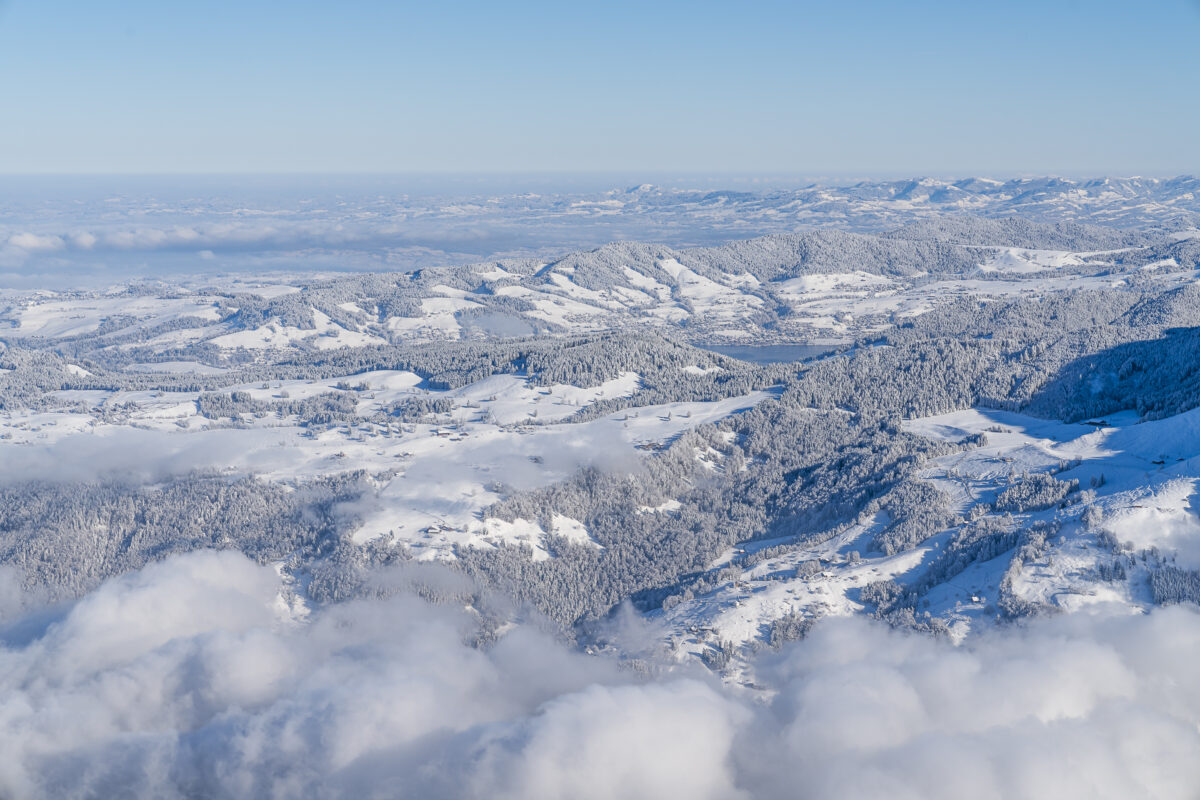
72,236
461,405
827,286
778,490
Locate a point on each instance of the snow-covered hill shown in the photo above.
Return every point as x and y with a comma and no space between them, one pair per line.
148,229
827,286
1102,546
550,428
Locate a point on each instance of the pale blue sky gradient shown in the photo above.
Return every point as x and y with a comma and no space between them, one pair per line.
818,88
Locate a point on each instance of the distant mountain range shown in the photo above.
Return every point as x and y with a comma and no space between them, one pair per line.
1121,202
72,239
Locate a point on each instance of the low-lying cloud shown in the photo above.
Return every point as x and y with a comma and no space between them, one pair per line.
68,260
251,235
220,236
187,679
143,456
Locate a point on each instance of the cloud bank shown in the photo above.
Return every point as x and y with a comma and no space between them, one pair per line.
144,456
207,239
189,679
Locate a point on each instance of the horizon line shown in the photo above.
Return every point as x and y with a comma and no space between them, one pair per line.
727,174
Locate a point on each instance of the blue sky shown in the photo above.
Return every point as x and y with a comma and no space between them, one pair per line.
807,88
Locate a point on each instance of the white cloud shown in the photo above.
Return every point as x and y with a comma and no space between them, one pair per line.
211,236
659,740
188,678
83,240
1072,707
141,456
32,242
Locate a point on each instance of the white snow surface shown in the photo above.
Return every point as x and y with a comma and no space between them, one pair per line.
1149,497
432,481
